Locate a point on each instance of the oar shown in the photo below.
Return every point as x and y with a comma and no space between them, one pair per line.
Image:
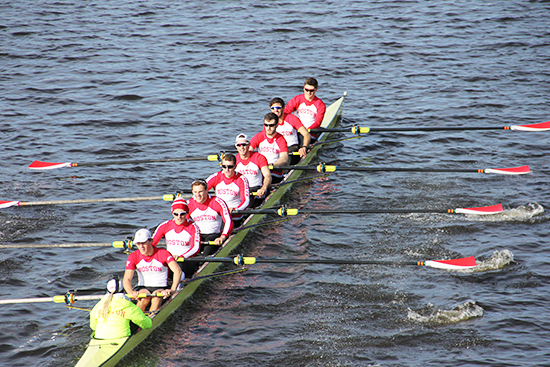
7,204
115,244
71,297
463,263
67,298
282,211
39,165
542,126
329,168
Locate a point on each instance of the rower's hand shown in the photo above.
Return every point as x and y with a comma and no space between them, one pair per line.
219,241
166,293
302,151
134,294
260,192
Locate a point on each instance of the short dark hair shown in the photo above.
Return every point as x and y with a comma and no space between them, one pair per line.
312,82
276,100
230,158
200,182
271,116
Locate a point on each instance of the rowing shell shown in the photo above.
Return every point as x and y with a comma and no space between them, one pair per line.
110,352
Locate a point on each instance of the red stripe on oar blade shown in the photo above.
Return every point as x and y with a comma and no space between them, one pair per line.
509,171
466,262
7,204
543,126
482,210
48,165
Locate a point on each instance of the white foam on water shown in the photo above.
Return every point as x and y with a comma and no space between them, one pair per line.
461,312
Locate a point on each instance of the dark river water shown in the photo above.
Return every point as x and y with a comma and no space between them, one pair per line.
91,81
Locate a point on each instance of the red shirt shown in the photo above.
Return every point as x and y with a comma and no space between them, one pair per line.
152,270
182,240
234,191
310,113
269,147
211,215
289,128
251,168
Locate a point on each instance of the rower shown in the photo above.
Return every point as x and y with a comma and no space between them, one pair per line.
308,107
254,167
296,135
231,187
111,316
183,237
211,215
272,145
152,265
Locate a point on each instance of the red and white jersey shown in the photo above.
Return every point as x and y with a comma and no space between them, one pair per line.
289,128
251,168
269,147
234,191
182,240
152,270
211,215
310,113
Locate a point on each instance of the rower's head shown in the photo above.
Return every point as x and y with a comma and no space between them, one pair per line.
229,164
144,241
179,210
277,105
271,121
310,87
243,145
200,190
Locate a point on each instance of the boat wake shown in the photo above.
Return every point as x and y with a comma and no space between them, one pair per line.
431,315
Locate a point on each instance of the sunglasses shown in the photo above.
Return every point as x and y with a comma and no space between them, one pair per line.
179,214
269,125
228,166
309,90
276,107
242,145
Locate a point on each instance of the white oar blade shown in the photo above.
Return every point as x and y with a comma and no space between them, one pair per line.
543,126
483,210
464,263
39,165
7,204
509,171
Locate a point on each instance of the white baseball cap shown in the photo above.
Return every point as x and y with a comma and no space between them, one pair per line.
143,235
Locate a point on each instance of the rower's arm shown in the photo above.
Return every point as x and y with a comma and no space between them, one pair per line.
282,161
266,172
173,265
127,281
307,138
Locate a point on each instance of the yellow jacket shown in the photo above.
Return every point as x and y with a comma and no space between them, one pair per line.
117,325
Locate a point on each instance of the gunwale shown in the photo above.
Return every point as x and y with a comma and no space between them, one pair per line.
109,352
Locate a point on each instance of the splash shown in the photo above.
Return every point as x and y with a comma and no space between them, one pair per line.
462,312
497,261
522,213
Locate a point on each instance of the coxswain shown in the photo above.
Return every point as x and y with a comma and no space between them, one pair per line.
272,145
111,316
152,266
183,238
231,187
308,107
254,167
212,216
296,135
